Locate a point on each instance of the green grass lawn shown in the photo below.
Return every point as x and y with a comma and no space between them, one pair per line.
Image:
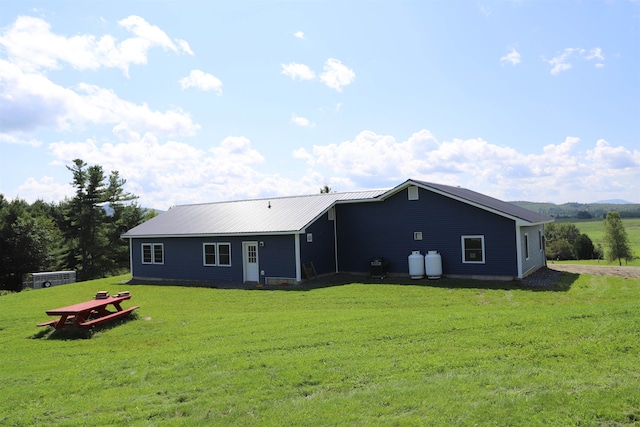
453,353
595,230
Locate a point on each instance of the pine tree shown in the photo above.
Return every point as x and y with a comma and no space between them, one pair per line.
94,219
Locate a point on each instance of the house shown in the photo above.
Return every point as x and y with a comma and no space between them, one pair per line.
269,240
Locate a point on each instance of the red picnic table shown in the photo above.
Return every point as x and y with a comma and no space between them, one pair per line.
89,313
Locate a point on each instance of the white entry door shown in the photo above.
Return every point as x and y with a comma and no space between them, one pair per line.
250,261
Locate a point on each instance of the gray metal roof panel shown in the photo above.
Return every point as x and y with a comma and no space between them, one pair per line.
275,215
490,202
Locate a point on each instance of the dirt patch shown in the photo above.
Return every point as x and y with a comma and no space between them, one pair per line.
598,270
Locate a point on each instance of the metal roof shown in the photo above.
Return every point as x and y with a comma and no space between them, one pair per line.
287,215
487,202
280,215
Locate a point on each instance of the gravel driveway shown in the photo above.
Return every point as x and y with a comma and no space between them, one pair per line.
598,270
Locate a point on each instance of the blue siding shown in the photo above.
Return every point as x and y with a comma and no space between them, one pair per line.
183,259
321,251
387,229
277,257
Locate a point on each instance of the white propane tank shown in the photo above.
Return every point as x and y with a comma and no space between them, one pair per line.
433,265
416,265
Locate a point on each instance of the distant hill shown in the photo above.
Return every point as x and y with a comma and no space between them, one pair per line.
615,202
582,210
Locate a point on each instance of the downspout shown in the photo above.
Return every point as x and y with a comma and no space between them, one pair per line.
296,240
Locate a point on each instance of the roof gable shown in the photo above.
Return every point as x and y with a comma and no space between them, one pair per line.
476,199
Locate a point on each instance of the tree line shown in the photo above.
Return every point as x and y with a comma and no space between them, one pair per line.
582,210
564,241
81,233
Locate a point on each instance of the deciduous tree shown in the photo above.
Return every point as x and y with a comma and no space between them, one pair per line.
616,239
29,241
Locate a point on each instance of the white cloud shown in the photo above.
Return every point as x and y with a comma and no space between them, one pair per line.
595,53
298,71
45,189
299,35
30,44
613,158
173,172
484,9
513,57
560,63
18,140
336,75
152,34
558,171
203,81
184,46
564,61
301,121
32,101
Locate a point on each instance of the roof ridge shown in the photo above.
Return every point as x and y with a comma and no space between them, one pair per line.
281,197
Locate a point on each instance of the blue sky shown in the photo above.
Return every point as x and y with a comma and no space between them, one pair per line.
196,101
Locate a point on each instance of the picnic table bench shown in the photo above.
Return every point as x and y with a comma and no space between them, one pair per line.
89,313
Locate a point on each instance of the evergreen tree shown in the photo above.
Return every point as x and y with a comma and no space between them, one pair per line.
95,219
583,247
616,239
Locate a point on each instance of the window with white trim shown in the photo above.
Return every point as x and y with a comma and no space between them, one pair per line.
152,253
210,254
473,249
526,246
216,254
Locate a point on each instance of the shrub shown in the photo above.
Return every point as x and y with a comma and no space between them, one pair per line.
559,250
583,247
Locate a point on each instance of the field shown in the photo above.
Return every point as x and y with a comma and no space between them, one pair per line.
437,353
595,230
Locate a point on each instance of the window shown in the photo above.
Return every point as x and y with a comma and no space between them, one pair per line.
252,253
417,235
541,240
224,254
473,249
413,193
210,254
309,237
216,254
526,246
152,253
332,214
